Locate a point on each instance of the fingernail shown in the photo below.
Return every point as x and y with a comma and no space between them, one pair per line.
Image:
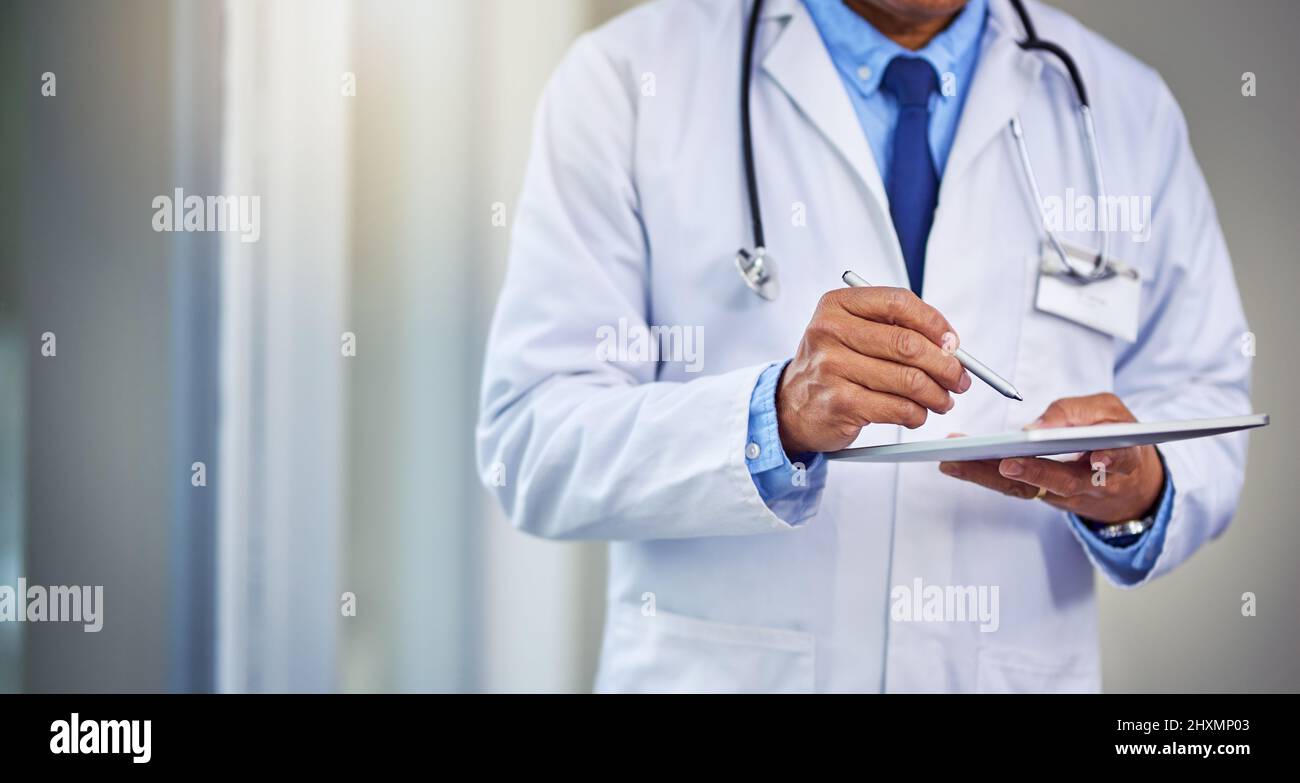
1013,467
1035,424
949,343
947,468
965,382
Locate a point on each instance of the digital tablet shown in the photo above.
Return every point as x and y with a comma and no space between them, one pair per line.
1046,442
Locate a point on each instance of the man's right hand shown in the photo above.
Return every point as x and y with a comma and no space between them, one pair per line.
870,355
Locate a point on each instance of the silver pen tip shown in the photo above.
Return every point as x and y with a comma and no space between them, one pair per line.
1016,395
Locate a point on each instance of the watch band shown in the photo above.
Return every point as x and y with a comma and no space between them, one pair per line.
1133,527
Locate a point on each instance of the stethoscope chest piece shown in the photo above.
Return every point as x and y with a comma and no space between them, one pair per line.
758,272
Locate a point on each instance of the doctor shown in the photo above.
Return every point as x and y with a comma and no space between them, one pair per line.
638,391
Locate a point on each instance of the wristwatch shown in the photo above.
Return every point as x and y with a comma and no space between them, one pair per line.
1121,534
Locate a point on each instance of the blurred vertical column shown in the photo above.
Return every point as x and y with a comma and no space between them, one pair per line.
409,520
449,596
98,454
12,371
542,601
281,477
195,286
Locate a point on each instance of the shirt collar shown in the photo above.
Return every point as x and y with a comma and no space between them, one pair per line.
862,52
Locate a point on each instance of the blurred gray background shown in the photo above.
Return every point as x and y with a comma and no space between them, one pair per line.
331,475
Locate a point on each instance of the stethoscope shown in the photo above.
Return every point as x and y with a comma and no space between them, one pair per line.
757,268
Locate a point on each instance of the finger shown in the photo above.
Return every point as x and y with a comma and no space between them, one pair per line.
985,473
1065,479
1120,462
900,380
897,306
873,407
903,346
1082,411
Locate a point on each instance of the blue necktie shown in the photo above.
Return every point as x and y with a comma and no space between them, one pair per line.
913,184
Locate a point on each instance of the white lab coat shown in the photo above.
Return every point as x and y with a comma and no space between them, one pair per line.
633,208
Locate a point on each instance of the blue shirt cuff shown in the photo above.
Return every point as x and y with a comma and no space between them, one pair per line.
1129,561
789,488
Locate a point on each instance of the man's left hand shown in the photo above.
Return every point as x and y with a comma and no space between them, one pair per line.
1112,485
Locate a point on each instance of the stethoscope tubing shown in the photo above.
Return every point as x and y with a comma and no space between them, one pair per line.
757,275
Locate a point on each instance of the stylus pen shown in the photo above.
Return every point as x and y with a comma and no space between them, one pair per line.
976,367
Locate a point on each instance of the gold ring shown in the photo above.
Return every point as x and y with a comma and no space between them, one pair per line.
1042,493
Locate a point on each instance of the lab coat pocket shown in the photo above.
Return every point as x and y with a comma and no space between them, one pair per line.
671,653
1014,670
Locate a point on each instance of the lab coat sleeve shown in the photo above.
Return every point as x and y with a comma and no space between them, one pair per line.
577,437
1192,356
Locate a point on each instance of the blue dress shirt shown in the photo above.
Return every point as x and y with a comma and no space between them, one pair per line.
860,53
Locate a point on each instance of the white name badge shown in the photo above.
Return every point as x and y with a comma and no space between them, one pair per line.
1110,306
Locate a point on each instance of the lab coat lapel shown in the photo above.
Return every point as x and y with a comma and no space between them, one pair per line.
799,63
1004,76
